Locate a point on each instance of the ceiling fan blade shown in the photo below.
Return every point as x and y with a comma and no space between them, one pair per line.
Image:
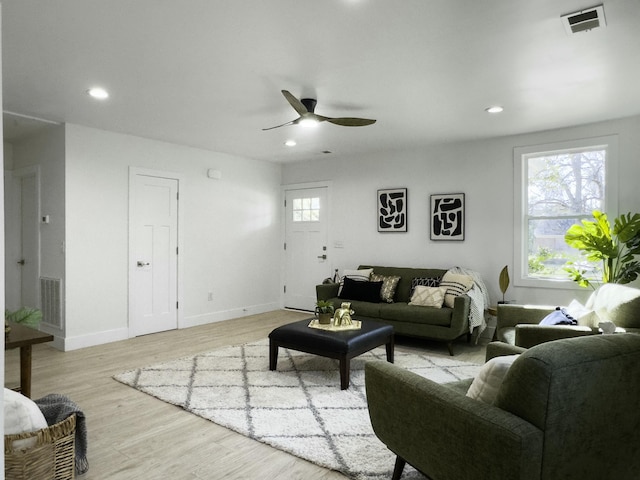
295,103
283,125
350,121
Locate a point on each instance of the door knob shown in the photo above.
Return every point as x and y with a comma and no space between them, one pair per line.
142,264
324,257
22,261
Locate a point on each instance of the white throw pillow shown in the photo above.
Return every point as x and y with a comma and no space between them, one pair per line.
428,296
486,385
456,285
585,316
360,275
21,415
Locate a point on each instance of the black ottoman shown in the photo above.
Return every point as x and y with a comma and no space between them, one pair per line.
341,345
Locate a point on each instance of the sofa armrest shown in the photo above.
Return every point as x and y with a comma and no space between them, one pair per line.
325,291
460,316
528,336
445,434
510,315
500,349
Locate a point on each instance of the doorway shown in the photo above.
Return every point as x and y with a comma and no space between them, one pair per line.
22,238
306,253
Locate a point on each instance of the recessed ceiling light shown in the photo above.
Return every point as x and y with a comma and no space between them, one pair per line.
494,109
99,93
290,143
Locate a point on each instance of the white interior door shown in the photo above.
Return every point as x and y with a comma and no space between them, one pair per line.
154,254
306,263
29,240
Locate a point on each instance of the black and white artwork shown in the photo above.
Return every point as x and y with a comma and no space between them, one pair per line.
392,210
447,216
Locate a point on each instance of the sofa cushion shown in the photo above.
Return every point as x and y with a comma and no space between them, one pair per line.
358,290
403,312
428,296
456,285
389,285
366,309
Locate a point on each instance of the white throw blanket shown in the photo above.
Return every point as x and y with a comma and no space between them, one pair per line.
479,300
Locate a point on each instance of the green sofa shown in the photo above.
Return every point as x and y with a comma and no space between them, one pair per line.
566,409
518,324
442,324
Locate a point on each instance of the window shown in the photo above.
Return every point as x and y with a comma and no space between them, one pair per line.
558,186
306,209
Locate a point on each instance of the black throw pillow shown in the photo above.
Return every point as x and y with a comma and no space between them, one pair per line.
361,291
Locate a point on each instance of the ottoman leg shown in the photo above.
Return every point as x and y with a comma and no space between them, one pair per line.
390,349
273,355
345,365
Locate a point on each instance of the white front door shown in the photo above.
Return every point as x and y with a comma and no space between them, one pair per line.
154,254
306,263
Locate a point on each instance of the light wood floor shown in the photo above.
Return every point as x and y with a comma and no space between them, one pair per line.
135,436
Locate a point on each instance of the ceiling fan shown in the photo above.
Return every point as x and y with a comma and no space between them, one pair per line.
305,108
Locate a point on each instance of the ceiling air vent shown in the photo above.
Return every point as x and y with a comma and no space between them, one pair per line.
584,20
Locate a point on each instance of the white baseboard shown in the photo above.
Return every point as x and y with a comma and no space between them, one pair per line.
93,339
205,318
116,335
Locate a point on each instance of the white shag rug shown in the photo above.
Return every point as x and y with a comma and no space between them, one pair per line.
299,408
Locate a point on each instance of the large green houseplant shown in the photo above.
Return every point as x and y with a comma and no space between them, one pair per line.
616,247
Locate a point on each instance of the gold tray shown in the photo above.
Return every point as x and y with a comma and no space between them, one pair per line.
356,325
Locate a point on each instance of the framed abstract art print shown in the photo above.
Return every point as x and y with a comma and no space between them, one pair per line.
392,210
447,216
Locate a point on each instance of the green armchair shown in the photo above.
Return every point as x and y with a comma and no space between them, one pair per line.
566,409
518,324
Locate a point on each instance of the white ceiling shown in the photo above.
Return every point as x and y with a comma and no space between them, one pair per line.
208,73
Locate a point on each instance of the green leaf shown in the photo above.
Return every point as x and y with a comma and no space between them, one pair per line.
615,247
27,316
503,279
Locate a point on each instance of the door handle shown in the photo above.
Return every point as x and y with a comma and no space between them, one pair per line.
22,261
324,257
142,264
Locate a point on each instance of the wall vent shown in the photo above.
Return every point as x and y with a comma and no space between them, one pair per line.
584,20
50,301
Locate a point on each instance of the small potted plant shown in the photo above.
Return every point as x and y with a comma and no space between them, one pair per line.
324,311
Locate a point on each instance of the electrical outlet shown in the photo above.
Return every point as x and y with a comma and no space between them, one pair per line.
210,297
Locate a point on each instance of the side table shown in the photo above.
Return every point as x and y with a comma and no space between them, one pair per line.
23,338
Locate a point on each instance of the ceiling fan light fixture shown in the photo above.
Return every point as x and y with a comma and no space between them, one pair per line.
308,122
494,109
98,93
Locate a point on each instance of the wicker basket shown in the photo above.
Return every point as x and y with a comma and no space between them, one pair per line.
51,457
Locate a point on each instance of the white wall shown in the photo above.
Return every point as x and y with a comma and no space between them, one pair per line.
231,229
483,171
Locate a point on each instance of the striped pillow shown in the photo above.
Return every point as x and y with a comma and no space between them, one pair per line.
456,285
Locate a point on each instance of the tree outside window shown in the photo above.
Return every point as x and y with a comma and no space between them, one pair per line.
562,188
